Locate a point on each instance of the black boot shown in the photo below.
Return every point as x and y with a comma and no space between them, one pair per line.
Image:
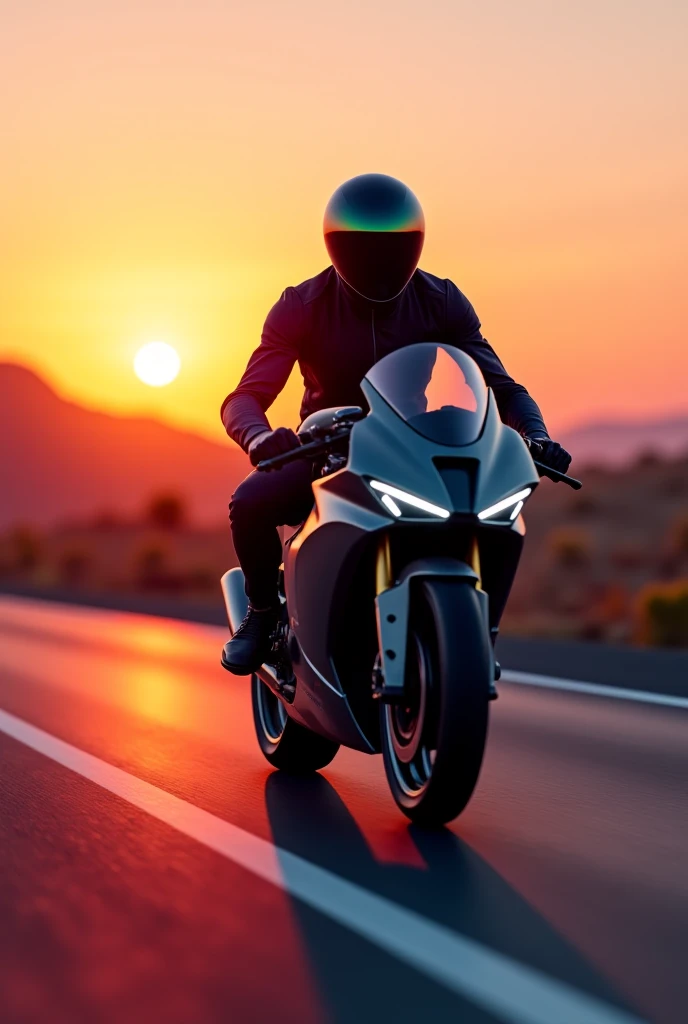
252,642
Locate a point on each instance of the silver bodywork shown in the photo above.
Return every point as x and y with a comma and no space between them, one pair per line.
329,564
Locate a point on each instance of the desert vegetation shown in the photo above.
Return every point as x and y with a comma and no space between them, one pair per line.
158,551
608,563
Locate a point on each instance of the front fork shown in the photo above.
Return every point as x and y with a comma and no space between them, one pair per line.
384,576
383,565
392,605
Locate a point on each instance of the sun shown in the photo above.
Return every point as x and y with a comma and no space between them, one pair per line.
157,364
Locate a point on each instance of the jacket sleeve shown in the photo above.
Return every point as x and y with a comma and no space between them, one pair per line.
516,408
243,410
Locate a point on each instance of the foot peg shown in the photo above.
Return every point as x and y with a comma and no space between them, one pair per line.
493,689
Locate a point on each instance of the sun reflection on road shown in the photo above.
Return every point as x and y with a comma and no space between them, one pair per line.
156,693
167,638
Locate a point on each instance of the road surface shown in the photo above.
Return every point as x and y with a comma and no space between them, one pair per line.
152,868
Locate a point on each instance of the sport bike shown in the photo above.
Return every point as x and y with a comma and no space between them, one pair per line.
393,588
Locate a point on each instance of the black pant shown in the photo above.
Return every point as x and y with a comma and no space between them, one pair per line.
261,503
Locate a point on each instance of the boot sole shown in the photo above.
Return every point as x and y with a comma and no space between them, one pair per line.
237,670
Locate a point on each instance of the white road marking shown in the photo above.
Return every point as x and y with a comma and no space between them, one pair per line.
596,689
513,992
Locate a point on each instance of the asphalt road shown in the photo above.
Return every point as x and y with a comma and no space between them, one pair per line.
153,869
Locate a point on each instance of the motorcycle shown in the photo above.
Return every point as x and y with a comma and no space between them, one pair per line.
392,589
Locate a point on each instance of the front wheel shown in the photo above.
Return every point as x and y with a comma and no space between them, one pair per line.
433,740
286,744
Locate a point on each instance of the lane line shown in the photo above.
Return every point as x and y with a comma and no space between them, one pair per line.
596,689
512,991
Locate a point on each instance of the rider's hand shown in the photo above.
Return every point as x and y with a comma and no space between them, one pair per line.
271,443
549,452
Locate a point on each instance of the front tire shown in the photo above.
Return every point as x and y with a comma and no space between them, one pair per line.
285,744
433,741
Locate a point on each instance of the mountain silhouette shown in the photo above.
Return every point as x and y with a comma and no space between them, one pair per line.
620,442
59,460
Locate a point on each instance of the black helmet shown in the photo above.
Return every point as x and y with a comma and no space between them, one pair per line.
374,230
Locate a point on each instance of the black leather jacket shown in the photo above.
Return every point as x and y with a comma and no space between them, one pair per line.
336,336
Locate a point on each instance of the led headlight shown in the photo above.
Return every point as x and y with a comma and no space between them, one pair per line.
507,508
392,495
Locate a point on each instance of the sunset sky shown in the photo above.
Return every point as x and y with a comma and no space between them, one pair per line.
165,167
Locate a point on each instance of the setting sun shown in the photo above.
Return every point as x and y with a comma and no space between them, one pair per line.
156,364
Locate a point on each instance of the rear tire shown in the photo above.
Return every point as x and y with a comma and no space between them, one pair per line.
433,743
285,744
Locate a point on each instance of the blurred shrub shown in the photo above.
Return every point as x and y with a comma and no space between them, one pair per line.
670,563
570,548
679,536
167,511
26,548
675,483
648,459
628,556
583,506
154,570
202,578
662,614
613,603
607,615
107,519
150,566
74,566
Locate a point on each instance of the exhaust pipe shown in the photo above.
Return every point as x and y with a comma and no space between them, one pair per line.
236,602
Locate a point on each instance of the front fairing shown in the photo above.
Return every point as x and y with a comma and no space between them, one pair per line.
384,447
329,566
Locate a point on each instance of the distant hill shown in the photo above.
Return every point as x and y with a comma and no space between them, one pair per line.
617,443
59,460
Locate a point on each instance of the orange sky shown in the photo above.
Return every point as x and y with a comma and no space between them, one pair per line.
165,168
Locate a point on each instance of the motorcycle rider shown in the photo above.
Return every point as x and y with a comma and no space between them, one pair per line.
371,301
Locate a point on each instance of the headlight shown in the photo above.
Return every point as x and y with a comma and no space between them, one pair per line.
514,503
389,494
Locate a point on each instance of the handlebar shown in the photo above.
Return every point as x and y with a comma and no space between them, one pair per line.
309,450
556,476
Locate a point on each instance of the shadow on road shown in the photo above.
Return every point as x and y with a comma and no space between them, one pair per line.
453,886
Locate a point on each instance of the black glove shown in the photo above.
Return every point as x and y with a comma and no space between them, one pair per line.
271,443
549,453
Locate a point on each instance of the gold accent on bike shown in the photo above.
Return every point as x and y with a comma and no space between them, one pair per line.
475,562
383,566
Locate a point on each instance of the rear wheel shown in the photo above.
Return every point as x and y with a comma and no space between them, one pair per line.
286,744
433,741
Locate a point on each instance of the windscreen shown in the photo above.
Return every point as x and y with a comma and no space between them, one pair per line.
437,389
